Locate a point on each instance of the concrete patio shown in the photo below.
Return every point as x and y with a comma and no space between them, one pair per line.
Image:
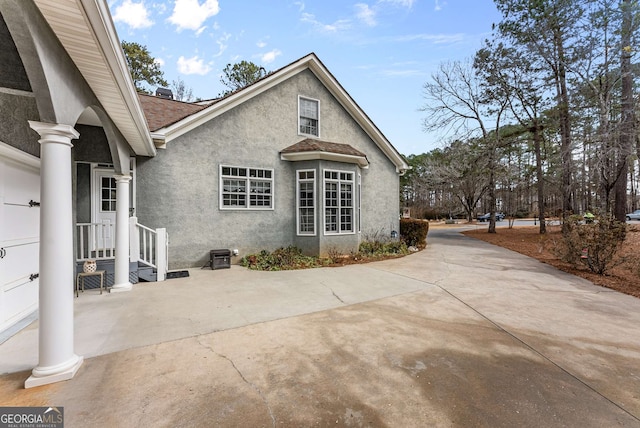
461,334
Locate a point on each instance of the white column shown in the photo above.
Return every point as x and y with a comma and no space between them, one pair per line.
121,280
56,358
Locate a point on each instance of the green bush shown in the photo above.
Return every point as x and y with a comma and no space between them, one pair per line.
379,248
593,244
414,232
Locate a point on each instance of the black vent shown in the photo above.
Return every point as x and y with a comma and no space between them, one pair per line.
164,93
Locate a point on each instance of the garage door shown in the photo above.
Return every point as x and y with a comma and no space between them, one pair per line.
19,235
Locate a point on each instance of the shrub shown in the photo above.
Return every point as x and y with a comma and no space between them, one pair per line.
280,259
594,244
414,232
379,248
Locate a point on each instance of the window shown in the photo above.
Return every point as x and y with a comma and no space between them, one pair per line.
338,202
107,194
246,188
309,116
306,202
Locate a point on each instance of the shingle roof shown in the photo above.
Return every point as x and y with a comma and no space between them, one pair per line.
162,112
311,145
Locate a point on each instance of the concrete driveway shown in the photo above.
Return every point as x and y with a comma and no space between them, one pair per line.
461,334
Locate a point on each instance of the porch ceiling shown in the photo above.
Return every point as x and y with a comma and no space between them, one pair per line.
86,31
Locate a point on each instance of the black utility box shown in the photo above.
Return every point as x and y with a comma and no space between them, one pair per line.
220,259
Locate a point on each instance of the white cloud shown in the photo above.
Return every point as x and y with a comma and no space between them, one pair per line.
366,14
271,56
159,61
200,30
190,14
341,24
403,73
193,65
437,39
300,5
401,3
261,44
439,5
133,14
222,45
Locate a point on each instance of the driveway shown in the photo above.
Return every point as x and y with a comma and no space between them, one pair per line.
461,334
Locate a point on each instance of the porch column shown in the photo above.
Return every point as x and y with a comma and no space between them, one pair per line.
121,280
56,358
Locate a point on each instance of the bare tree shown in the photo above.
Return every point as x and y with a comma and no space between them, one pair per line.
181,92
457,104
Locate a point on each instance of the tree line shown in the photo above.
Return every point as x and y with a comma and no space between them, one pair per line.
541,121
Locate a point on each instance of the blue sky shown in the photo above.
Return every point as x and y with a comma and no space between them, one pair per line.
381,51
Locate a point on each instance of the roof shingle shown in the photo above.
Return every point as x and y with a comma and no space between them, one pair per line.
311,145
162,112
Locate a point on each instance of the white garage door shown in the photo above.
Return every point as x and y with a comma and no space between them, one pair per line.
19,235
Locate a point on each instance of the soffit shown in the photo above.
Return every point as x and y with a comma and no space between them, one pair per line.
85,29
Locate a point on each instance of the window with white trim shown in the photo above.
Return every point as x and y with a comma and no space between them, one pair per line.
246,188
308,116
306,202
338,202
359,206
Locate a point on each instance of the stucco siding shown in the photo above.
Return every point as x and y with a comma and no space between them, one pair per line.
16,111
179,188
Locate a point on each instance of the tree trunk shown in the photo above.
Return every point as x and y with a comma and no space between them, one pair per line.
565,127
537,137
627,121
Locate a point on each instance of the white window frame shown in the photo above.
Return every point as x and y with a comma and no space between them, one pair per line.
339,181
315,201
247,188
359,202
300,98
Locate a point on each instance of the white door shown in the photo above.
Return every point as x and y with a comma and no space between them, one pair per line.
19,235
104,208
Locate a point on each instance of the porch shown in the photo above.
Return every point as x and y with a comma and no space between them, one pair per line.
148,251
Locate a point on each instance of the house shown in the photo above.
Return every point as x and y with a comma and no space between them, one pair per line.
289,160
89,169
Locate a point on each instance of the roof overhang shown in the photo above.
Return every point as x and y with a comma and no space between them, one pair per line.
361,161
310,62
87,33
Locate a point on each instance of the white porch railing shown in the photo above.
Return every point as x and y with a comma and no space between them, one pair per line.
95,241
149,246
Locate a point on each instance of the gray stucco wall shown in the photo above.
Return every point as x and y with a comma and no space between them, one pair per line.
17,102
179,188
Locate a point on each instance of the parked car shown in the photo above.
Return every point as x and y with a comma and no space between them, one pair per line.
487,217
634,215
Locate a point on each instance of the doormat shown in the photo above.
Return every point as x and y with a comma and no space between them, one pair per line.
178,274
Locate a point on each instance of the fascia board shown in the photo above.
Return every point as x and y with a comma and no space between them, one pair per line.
319,70
189,123
17,155
358,115
101,23
316,155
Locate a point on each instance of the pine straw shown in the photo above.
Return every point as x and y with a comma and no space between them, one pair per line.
528,241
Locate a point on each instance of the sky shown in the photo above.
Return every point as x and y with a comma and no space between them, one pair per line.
381,51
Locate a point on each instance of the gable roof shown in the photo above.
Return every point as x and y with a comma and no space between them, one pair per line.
309,149
310,62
